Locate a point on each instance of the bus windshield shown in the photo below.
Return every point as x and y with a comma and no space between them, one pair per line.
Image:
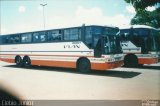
145,38
112,41
156,37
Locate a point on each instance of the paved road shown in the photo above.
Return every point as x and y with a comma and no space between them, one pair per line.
57,83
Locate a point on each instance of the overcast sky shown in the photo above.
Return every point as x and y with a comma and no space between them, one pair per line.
27,15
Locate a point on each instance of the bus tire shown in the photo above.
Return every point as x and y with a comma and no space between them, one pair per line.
26,62
83,65
131,61
18,61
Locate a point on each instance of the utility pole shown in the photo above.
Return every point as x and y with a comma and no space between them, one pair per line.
43,5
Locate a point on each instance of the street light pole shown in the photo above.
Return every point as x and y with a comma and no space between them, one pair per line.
43,5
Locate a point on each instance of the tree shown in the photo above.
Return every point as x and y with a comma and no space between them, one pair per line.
142,4
145,17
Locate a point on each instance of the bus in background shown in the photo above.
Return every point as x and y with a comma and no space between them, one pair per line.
159,31
85,48
140,45
159,41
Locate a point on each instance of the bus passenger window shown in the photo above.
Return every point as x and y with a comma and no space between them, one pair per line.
14,39
97,30
39,37
88,36
54,35
5,39
42,38
25,38
74,34
71,34
66,34
35,37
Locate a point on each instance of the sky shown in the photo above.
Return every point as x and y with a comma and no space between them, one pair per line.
27,15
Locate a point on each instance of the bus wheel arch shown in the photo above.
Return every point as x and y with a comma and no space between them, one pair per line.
18,60
26,61
130,60
83,65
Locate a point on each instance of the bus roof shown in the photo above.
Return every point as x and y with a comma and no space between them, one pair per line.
137,26
61,29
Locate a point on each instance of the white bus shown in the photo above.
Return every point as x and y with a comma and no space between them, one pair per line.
85,48
140,44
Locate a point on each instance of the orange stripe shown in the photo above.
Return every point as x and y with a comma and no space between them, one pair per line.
94,66
54,63
105,66
7,60
147,60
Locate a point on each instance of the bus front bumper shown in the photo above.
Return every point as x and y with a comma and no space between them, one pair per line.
159,58
148,60
107,65
116,64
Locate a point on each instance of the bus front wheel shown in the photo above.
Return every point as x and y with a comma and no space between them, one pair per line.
130,61
26,62
18,61
83,65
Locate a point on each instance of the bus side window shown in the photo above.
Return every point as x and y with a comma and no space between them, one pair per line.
88,36
80,33
42,38
26,38
66,34
0,40
14,39
97,30
39,37
5,39
35,37
55,35
72,34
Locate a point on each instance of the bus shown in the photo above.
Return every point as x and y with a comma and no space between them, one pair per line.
140,44
85,48
159,41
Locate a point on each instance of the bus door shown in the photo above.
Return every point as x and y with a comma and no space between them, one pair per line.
97,45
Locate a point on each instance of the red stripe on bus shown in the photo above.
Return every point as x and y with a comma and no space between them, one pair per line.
54,63
107,65
67,64
147,60
7,60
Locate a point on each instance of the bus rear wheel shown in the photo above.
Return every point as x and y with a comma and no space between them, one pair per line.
130,61
26,62
18,61
83,65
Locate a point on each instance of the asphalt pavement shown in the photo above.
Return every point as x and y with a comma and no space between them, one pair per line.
48,83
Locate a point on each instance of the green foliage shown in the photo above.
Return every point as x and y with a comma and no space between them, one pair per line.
142,4
145,17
